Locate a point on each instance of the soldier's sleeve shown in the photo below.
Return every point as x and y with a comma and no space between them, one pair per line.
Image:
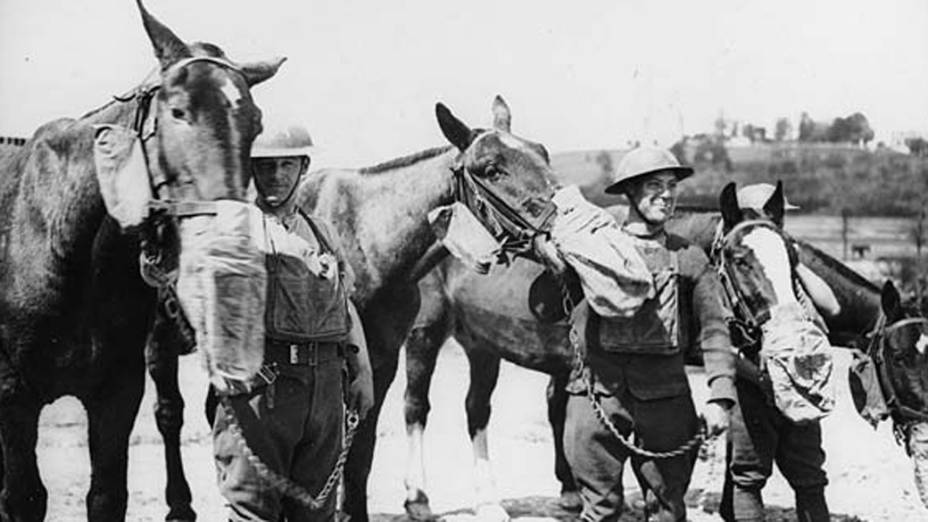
718,355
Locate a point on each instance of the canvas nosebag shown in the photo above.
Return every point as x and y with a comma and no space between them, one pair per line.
615,279
797,357
222,288
121,174
464,237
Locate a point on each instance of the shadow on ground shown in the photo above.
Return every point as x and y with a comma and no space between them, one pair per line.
547,508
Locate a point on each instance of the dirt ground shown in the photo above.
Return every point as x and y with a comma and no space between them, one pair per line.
871,478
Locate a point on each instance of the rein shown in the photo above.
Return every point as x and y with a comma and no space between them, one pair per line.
505,223
876,349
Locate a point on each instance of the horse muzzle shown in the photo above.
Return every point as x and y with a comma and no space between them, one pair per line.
222,288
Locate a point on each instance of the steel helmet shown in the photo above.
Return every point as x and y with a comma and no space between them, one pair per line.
280,142
645,160
756,196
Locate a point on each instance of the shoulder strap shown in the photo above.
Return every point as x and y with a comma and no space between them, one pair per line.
321,235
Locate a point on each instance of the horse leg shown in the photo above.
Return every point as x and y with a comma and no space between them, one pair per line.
110,414
386,323
23,498
557,413
422,347
162,365
484,372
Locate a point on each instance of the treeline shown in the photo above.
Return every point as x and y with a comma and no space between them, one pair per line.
820,178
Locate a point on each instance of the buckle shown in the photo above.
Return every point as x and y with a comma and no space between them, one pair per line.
267,373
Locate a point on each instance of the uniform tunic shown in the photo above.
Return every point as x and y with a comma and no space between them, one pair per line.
637,368
297,420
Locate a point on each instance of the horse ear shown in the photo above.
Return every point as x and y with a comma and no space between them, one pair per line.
257,72
891,301
458,133
728,204
168,47
775,206
502,117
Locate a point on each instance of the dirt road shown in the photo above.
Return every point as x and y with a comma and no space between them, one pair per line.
871,478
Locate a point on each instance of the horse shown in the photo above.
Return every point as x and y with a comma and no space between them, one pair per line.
74,309
490,317
379,214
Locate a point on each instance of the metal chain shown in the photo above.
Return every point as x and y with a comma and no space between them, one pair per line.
283,484
696,441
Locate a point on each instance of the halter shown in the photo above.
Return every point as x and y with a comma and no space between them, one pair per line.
876,349
505,223
145,126
151,258
744,318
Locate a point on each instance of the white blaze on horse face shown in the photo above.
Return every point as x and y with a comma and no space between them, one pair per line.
231,92
771,254
921,344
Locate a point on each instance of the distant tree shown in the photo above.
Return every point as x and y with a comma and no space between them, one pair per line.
806,127
720,126
917,146
783,129
852,129
747,130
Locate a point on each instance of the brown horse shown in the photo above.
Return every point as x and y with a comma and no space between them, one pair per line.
379,213
490,317
74,311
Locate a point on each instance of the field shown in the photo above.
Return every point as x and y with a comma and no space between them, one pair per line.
871,478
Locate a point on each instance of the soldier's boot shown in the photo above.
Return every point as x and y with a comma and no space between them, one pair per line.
811,506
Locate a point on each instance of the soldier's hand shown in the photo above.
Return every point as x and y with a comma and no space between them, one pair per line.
716,415
361,393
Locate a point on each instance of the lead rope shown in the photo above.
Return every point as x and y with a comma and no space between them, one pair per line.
694,442
280,482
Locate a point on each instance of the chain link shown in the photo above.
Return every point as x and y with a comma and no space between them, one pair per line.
283,484
695,442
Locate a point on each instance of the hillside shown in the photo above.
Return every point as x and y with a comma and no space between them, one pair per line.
820,178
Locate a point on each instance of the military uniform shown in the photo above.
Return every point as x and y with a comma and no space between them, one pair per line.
637,369
301,410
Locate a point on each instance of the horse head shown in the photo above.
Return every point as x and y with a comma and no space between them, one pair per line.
201,119
899,348
903,348
756,258
191,136
505,180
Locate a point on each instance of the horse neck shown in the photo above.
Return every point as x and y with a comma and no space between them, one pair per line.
387,226
859,299
78,218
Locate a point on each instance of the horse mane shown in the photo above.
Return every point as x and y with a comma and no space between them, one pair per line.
840,268
405,161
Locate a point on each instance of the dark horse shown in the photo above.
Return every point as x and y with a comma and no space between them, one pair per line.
491,319
379,214
74,311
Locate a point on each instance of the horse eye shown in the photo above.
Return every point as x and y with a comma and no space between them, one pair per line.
178,114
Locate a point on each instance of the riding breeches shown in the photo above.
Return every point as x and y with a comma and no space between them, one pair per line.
597,458
295,428
760,436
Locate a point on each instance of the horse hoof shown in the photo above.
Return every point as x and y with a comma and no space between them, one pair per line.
570,501
491,513
418,508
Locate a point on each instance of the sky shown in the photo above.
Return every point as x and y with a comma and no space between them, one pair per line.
364,76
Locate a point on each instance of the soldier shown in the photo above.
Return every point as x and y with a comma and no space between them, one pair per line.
636,365
312,330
